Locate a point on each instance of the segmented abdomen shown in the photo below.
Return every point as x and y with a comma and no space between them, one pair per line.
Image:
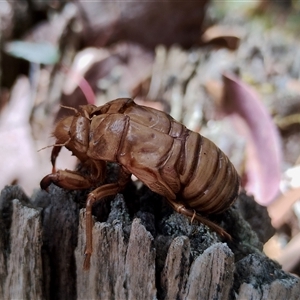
210,181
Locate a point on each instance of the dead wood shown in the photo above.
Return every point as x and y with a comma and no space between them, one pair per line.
141,251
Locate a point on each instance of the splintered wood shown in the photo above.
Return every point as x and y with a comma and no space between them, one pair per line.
23,270
124,264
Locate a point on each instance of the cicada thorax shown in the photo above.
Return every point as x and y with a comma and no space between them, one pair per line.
112,107
212,183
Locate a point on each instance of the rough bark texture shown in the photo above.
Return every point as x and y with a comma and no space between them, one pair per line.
142,250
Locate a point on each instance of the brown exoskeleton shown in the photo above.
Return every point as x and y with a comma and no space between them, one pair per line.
189,170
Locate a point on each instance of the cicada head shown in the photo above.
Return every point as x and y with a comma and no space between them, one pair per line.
73,133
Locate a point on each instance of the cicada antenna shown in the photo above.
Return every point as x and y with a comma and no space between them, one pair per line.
55,145
69,107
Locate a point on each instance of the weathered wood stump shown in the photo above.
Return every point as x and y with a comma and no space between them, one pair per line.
141,250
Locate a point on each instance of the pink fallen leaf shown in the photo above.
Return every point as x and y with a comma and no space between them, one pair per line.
82,63
129,64
262,166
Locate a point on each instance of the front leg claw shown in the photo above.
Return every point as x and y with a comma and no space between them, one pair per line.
66,179
47,180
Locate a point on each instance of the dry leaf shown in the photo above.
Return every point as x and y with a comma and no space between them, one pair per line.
18,149
280,209
290,255
222,36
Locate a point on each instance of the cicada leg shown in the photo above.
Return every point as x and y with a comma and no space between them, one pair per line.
180,208
66,179
97,195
